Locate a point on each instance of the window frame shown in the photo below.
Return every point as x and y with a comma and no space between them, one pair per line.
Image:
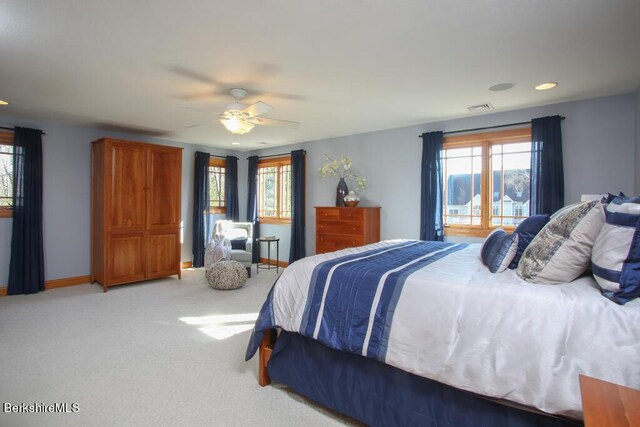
219,163
484,140
6,138
277,162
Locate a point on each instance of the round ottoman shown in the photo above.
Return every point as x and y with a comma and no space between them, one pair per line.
226,275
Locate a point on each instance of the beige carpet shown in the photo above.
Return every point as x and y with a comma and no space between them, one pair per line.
165,352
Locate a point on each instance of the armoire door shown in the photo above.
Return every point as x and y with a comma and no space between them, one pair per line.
126,169
163,253
164,181
125,257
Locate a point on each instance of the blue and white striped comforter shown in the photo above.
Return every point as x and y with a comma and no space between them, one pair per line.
433,309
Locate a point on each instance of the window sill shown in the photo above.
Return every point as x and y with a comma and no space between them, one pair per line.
220,210
6,213
277,221
473,231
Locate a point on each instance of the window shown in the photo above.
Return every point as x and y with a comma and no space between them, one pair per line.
274,190
6,174
486,181
217,171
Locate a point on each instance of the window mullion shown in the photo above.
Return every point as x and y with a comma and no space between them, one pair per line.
485,195
502,185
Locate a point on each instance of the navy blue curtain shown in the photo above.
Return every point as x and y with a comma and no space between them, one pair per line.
201,217
252,205
431,220
26,268
547,175
231,188
297,246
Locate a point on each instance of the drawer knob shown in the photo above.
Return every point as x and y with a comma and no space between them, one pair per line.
354,229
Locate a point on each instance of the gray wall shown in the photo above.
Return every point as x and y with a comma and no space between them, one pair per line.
598,135
637,184
67,196
598,141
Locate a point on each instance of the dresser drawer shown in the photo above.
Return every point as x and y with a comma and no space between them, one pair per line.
351,214
352,228
328,213
336,241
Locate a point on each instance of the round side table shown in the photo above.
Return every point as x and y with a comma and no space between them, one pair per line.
269,265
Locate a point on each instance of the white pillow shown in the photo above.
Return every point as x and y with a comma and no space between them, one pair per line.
562,250
616,251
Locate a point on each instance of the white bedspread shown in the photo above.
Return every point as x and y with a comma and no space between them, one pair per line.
495,334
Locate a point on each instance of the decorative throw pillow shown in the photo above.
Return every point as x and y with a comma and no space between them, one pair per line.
498,250
562,249
616,251
239,243
526,231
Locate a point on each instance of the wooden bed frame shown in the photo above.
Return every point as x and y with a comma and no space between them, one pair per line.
265,350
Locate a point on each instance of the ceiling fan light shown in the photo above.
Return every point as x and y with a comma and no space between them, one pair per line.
237,127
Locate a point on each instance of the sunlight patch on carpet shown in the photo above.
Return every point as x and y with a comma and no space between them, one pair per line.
223,326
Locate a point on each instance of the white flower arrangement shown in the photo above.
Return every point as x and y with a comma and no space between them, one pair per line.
341,168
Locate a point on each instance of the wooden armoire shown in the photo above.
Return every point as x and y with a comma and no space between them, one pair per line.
135,211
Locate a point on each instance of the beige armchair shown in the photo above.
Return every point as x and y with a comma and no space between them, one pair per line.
240,234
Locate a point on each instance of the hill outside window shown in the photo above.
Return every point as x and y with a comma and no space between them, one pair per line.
486,181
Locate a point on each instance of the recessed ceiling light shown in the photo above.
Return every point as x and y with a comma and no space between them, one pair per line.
3,102
235,143
501,86
547,85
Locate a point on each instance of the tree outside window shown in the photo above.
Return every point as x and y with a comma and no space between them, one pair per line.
6,174
274,190
217,171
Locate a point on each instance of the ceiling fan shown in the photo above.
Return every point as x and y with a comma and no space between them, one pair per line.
240,119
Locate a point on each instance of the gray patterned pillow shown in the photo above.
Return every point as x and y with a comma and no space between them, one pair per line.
562,250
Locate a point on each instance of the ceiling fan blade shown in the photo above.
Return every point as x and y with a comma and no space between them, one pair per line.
257,109
273,122
193,75
201,95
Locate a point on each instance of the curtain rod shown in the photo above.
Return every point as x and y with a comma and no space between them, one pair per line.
279,155
220,157
213,155
488,127
13,129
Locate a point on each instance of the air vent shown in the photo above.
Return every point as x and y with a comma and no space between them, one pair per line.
480,107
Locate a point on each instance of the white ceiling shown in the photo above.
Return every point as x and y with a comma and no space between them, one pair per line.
338,66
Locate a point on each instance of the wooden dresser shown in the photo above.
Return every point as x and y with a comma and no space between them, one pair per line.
135,211
339,228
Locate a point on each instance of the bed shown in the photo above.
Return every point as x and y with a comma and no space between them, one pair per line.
408,332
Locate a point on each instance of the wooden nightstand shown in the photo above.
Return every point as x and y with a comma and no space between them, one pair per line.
606,404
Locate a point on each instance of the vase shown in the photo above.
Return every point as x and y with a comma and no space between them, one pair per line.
341,191
351,199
